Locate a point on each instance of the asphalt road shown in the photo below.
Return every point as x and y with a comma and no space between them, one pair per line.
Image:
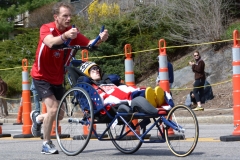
209,147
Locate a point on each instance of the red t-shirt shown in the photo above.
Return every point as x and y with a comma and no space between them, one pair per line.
49,63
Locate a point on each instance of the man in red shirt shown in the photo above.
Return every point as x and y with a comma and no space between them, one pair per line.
48,68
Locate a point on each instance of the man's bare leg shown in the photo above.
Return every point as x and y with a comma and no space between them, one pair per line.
48,118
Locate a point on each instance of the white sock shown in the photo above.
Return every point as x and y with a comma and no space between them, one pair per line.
44,142
39,122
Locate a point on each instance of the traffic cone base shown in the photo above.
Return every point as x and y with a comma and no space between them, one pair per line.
229,138
3,135
23,136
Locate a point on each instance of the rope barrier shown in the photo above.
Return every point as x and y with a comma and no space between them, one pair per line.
215,84
14,99
10,68
181,46
10,98
14,68
190,45
173,89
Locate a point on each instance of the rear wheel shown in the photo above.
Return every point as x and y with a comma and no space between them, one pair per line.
184,137
74,112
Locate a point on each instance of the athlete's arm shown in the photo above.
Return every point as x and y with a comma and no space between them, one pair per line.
103,37
50,40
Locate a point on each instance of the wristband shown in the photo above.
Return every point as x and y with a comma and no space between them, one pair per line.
62,38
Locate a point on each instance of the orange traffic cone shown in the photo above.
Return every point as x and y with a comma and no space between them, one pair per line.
26,103
130,80
164,82
236,90
86,131
19,117
137,130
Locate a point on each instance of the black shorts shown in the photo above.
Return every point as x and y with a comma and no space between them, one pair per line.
45,89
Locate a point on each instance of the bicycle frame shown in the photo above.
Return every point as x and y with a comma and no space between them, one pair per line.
160,120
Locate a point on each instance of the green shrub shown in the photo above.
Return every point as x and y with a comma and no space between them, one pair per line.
231,28
12,52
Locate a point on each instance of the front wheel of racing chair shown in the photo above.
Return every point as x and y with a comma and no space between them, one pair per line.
129,143
184,137
75,112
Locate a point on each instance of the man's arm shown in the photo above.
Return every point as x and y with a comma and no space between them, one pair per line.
50,40
103,37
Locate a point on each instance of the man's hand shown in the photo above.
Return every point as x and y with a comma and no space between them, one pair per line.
104,35
72,33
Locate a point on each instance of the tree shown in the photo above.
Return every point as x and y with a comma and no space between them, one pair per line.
41,15
12,52
196,21
9,9
97,11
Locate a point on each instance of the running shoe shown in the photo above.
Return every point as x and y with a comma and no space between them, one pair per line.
49,148
198,109
36,127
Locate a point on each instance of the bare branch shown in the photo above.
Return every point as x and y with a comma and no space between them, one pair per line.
196,21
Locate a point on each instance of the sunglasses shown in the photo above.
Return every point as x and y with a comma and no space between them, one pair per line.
195,55
95,68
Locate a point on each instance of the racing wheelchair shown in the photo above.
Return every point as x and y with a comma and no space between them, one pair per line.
81,108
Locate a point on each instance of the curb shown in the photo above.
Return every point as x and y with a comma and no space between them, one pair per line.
7,120
11,119
222,119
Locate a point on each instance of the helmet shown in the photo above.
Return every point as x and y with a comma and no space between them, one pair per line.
86,66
